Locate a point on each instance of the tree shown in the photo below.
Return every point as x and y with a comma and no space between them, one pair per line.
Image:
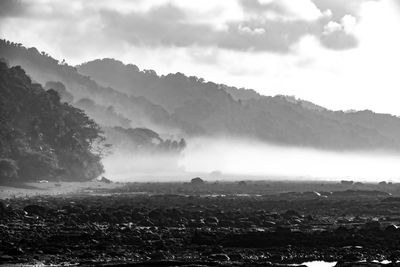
42,138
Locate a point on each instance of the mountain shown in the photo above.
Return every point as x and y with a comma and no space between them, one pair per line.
169,91
105,116
42,68
189,106
225,110
41,137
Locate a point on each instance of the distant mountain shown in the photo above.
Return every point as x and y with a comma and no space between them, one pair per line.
142,141
170,91
41,137
220,109
175,103
105,116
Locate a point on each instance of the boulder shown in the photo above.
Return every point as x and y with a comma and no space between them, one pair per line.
291,214
372,225
105,180
219,257
197,181
35,209
3,207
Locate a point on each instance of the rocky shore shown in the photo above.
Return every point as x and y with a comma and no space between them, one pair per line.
351,227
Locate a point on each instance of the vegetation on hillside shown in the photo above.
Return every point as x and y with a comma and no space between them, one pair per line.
41,137
190,106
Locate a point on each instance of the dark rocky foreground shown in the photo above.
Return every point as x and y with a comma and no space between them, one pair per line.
188,226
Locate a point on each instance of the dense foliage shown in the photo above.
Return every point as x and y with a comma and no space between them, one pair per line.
41,137
142,140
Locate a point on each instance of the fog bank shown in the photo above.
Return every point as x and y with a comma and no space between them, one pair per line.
234,159
241,157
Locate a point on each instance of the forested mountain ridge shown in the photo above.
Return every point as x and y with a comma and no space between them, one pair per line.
226,110
190,106
41,137
43,68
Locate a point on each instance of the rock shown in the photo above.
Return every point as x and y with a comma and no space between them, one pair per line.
291,214
3,207
15,251
86,255
235,256
347,183
283,230
219,257
158,255
391,228
351,258
203,238
146,222
372,226
276,258
242,183
105,180
72,209
35,209
6,258
135,241
268,224
212,220
197,181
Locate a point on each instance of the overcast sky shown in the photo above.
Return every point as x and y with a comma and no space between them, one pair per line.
342,54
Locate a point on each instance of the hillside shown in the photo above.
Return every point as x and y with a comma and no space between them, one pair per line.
43,68
190,106
41,137
220,109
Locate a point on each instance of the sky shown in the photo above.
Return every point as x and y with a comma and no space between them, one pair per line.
340,54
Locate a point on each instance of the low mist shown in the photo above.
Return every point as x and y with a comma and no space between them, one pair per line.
126,166
225,159
241,157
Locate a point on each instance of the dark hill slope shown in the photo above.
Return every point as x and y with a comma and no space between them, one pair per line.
42,138
43,68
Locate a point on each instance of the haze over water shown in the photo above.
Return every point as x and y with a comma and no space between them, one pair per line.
235,159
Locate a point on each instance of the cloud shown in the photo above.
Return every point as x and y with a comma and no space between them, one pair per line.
283,9
341,8
225,42
339,35
339,40
248,25
11,8
169,25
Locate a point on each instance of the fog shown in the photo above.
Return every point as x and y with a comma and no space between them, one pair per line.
241,157
126,166
228,158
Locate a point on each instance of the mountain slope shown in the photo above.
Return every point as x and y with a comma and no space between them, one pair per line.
40,137
43,68
219,109
190,106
